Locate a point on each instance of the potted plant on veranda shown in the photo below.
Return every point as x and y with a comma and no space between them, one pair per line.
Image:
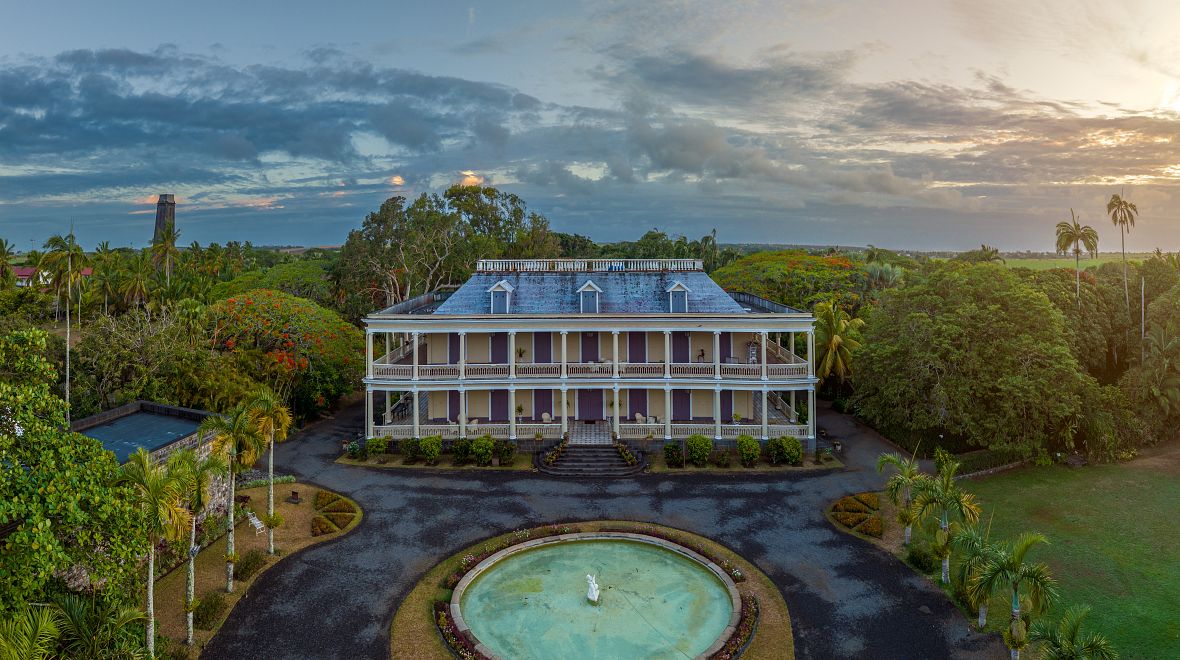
519,413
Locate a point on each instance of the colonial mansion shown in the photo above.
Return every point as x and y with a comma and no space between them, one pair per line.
635,349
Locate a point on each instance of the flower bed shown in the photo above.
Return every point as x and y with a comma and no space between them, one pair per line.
861,513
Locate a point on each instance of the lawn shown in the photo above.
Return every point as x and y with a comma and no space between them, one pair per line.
1114,543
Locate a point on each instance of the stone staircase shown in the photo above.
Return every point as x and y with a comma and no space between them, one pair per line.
591,461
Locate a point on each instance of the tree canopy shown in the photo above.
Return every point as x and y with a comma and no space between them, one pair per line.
797,279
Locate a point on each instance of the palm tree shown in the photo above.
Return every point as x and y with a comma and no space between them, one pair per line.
989,254
65,261
164,251
271,419
94,628
836,337
236,435
1065,640
900,486
881,275
1072,236
159,495
1122,213
197,476
1007,568
941,494
1162,381
31,634
975,550
137,279
7,252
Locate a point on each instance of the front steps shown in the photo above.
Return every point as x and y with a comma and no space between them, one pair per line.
590,461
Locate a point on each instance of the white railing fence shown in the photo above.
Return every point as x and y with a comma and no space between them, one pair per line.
581,265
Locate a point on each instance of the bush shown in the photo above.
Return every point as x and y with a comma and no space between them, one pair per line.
784,450
461,450
506,450
698,448
249,564
377,446
481,450
321,525
868,499
355,450
748,450
323,498
672,454
340,520
721,458
340,506
921,558
411,449
209,609
850,519
431,448
850,504
872,526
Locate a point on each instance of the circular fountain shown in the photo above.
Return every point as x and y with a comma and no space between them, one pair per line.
648,598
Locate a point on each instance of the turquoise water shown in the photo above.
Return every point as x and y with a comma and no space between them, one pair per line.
653,603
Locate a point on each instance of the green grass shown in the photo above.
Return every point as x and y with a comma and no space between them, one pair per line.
1114,543
1046,263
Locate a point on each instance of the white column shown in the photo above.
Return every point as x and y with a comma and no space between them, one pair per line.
388,407
512,356
369,354
765,415
667,354
618,412
810,353
794,417
415,347
368,412
565,424
717,355
564,357
388,343
811,416
615,338
417,420
462,413
792,344
511,413
765,339
717,412
462,355
667,412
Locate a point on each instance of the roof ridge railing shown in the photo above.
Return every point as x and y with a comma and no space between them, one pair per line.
583,265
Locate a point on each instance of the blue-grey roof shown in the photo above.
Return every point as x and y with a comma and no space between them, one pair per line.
623,292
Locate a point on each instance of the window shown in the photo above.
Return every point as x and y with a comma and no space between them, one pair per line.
679,303
501,297
589,302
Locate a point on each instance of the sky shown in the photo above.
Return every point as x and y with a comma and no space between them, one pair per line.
933,125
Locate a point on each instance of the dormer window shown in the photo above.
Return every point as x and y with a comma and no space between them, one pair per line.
588,297
677,298
501,293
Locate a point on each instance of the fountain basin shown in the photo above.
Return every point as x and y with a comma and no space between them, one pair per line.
658,600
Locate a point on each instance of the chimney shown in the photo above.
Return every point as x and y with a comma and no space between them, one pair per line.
165,216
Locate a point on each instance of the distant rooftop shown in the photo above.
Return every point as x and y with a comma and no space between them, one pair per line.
585,265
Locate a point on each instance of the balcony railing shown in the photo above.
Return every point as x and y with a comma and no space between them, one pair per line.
627,430
583,265
729,371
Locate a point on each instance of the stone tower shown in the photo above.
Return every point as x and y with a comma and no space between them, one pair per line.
165,216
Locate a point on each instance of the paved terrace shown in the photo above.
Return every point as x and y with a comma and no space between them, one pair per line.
336,600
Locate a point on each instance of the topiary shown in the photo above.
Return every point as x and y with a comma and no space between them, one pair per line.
321,525
849,519
377,445
410,448
481,450
872,526
340,506
431,448
748,450
850,503
698,448
461,450
869,499
672,454
340,520
323,498
784,450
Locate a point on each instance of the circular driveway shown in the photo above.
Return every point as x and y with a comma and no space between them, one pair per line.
847,598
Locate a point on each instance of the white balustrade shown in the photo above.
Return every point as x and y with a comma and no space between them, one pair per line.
746,371
787,370
534,369
438,371
649,369
685,430
397,371
635,430
530,430
589,369
790,430
486,370
692,369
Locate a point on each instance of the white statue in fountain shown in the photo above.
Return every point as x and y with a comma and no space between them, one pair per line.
592,594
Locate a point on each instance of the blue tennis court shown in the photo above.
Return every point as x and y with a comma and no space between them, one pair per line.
140,429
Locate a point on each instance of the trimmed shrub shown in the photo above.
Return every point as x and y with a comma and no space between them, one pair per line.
506,450
208,610
340,506
356,450
698,448
249,564
340,520
481,450
323,498
872,526
377,445
850,504
868,499
850,519
672,454
431,448
411,449
748,450
321,525
721,458
461,450
785,449
921,558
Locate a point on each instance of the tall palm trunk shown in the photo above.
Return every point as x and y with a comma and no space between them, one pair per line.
190,588
981,622
1077,272
1126,288
270,496
1015,615
908,531
151,600
944,525
229,526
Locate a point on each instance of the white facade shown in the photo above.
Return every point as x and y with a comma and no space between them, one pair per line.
543,375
